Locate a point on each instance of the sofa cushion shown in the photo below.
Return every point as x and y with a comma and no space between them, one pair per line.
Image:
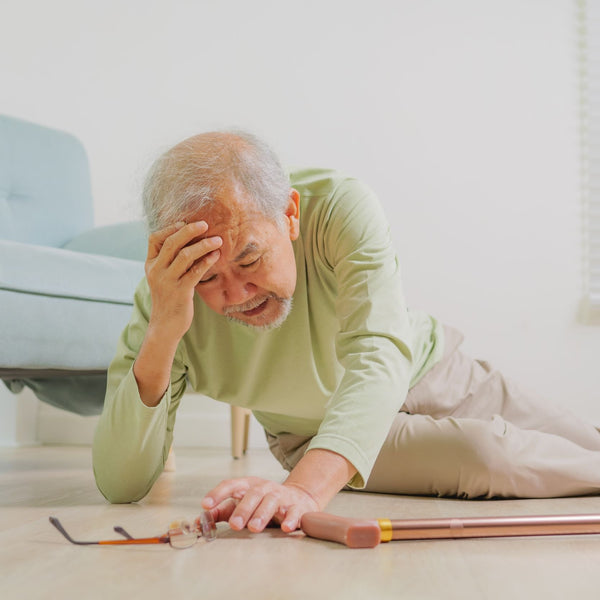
62,309
62,273
123,240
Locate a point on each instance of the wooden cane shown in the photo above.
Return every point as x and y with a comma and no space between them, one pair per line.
362,533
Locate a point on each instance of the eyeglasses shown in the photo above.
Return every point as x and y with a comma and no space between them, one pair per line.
181,533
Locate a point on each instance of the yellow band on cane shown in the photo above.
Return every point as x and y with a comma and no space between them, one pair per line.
386,529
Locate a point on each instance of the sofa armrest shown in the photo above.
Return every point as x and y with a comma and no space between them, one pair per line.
62,309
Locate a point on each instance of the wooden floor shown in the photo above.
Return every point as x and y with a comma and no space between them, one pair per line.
36,562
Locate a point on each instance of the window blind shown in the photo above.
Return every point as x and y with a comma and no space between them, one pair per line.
588,26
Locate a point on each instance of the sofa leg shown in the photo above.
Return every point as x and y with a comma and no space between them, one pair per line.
240,424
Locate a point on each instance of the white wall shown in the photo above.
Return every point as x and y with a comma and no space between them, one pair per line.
462,115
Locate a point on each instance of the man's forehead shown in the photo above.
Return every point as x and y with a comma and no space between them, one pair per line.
241,230
222,213
239,226
250,248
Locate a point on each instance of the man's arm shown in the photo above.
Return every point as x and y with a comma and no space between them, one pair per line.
314,481
135,430
175,264
373,346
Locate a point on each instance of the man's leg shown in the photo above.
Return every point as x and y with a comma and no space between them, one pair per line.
466,431
459,386
475,458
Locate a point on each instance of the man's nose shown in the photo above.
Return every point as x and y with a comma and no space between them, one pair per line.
237,290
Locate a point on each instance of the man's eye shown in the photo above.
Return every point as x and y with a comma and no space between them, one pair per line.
245,266
211,278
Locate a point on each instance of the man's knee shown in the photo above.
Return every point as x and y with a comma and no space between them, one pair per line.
487,459
464,458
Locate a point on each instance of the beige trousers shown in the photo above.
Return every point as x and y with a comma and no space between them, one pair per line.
465,431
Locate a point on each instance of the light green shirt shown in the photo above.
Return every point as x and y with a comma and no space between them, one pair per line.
338,369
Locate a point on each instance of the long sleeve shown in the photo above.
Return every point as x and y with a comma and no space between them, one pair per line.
373,344
132,440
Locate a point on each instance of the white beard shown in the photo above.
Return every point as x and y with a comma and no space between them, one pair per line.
285,305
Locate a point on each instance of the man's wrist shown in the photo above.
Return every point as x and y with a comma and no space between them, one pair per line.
321,474
299,486
152,367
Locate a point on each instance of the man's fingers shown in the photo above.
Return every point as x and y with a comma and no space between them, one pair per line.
291,521
157,238
256,502
264,513
246,508
230,488
223,511
174,237
198,257
249,494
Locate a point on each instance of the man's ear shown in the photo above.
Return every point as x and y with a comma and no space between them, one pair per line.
292,214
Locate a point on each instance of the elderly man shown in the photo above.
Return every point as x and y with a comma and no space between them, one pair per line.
285,297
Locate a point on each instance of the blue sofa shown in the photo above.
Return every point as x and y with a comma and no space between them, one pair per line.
66,287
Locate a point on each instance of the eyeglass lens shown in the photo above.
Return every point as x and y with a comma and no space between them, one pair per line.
183,533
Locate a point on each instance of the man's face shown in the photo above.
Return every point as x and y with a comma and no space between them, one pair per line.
255,276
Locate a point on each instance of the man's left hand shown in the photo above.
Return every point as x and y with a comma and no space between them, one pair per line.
259,501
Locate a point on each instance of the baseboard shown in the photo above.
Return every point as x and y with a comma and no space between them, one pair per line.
57,426
201,422
18,418
214,431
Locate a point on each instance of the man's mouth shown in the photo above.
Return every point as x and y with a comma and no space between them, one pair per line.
279,309
256,310
249,309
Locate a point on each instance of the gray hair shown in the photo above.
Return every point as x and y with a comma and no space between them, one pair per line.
191,175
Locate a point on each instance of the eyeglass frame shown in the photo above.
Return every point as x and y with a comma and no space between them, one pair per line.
203,527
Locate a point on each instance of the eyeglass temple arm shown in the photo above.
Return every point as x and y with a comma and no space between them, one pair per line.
60,528
130,540
122,532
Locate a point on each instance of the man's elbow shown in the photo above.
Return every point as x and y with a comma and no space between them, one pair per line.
118,491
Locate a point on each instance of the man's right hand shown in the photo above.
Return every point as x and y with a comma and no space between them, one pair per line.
178,257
